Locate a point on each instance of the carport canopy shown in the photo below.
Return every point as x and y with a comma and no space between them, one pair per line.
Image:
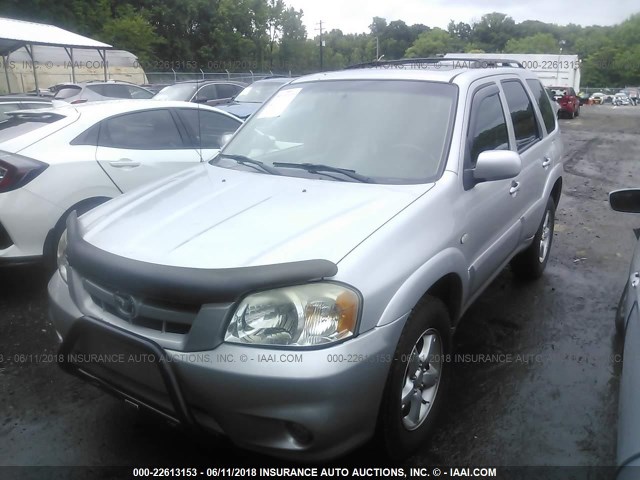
16,34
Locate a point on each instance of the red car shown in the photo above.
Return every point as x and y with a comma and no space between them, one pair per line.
567,99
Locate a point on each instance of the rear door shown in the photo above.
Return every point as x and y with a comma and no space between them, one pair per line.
528,135
140,147
491,208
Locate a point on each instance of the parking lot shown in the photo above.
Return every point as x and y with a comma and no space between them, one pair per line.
536,364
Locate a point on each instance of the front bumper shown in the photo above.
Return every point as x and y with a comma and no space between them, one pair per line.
305,405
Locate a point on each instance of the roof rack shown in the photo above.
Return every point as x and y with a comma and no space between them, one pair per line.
471,62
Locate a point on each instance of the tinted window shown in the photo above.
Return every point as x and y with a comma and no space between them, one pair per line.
180,91
208,92
66,92
137,92
99,89
540,95
116,91
148,130
206,128
226,90
523,117
30,105
489,127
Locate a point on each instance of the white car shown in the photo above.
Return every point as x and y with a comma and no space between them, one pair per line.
56,160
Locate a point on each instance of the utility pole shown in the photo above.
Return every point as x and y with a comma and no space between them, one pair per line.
321,46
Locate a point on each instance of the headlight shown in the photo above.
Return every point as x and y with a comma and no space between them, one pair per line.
300,316
61,256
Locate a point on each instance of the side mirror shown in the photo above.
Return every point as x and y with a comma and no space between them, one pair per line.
627,200
496,165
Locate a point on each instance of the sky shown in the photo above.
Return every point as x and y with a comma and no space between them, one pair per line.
354,16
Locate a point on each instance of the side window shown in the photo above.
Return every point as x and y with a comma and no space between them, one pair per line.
99,89
208,92
226,90
523,117
116,91
147,130
207,128
488,128
544,104
136,92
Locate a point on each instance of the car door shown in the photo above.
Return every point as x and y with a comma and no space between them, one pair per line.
491,209
534,153
140,147
206,129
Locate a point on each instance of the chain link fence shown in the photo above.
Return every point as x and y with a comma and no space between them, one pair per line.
242,77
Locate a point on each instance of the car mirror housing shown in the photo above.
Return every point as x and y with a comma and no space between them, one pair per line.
496,165
626,200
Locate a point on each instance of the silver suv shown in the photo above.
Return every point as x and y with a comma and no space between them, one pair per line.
298,292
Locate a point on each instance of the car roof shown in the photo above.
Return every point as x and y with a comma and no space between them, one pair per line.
113,107
431,73
203,82
274,80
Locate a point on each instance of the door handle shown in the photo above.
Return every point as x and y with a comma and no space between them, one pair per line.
124,163
546,162
515,186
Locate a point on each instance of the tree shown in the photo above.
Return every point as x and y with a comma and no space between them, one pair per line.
493,31
430,43
538,43
131,31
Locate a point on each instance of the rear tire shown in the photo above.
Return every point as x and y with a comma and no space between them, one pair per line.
530,263
418,380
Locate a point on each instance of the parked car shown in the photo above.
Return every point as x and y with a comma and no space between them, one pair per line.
297,293
621,99
57,160
628,328
568,100
252,97
201,91
95,91
598,98
9,103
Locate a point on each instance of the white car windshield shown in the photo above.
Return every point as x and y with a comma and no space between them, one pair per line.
387,131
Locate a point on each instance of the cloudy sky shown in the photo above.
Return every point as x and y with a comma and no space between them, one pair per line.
354,16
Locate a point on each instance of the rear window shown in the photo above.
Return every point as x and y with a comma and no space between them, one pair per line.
20,124
66,92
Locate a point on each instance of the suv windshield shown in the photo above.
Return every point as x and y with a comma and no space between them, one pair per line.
390,131
179,91
258,92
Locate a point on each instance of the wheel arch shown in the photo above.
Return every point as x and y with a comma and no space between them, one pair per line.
83,205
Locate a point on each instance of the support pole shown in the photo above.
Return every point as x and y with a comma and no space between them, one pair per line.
73,67
29,49
5,60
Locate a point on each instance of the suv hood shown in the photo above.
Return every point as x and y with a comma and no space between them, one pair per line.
212,217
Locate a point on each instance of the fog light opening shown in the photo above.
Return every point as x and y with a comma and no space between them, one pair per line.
299,433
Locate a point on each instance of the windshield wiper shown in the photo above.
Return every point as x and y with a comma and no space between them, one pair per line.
250,162
320,168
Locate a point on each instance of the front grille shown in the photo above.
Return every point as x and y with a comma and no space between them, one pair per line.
162,316
5,239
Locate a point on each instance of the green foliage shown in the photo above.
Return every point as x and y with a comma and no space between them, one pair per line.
538,43
433,42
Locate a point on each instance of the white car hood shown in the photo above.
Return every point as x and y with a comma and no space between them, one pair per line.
211,217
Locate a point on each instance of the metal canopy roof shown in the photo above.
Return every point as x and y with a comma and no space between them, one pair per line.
15,34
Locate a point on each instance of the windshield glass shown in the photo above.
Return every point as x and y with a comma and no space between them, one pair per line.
392,131
180,91
258,92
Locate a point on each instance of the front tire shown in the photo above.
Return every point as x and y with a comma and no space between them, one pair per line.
530,263
418,379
